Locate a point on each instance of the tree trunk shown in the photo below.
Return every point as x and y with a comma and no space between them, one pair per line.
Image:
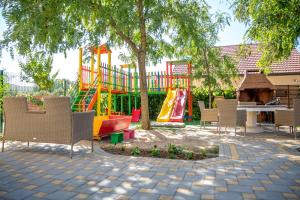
143,90
208,77
142,67
209,96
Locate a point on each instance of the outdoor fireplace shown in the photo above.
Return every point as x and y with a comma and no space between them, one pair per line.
260,95
255,87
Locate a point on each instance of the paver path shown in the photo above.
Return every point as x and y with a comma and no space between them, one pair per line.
248,168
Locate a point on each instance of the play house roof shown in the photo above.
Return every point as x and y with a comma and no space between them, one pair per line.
290,65
103,49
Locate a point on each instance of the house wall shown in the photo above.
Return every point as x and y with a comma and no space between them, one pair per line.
287,87
285,80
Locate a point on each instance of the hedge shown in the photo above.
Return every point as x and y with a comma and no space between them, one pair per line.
156,101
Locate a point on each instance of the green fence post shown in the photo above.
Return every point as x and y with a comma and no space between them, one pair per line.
65,87
122,108
135,101
129,104
1,99
115,103
135,81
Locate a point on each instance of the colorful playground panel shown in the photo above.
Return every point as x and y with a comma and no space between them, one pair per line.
116,138
136,114
98,123
166,110
129,134
126,135
114,123
179,107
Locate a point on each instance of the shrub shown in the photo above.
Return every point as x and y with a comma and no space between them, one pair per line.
173,149
155,152
201,94
136,151
213,151
202,153
189,155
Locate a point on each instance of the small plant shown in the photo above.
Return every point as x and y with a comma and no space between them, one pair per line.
189,155
212,152
136,151
123,148
155,151
111,147
36,101
173,149
202,153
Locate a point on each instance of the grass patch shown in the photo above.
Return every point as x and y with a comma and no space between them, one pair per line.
194,122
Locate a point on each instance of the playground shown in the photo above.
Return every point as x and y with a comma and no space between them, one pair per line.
114,92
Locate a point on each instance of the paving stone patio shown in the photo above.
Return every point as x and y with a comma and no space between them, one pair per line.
252,167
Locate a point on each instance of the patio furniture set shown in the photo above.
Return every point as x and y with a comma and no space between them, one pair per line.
231,113
57,124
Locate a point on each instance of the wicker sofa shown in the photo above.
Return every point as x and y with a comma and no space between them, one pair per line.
57,124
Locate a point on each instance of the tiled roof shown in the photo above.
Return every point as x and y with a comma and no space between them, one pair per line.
290,65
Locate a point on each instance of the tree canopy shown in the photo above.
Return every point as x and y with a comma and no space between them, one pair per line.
151,29
273,24
214,69
142,25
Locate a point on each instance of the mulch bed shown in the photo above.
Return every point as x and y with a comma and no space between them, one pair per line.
123,149
173,143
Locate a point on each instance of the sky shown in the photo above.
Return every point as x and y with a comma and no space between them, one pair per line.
68,66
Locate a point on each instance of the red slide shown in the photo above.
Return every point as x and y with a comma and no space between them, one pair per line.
179,107
136,114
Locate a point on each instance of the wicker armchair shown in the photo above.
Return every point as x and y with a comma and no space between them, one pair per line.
289,118
55,125
229,116
207,115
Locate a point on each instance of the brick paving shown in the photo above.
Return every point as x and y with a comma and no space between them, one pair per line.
251,167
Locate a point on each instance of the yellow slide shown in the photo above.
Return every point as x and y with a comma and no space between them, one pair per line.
166,110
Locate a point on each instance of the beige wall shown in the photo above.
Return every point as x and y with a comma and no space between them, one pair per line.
275,80
285,80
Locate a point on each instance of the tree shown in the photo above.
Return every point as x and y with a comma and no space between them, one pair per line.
38,68
56,26
273,24
213,68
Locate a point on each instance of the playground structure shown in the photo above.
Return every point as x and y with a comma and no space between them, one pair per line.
118,83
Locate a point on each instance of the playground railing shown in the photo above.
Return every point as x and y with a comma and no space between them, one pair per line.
88,93
73,92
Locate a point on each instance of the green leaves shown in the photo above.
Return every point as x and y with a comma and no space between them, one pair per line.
38,68
197,38
151,29
274,24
